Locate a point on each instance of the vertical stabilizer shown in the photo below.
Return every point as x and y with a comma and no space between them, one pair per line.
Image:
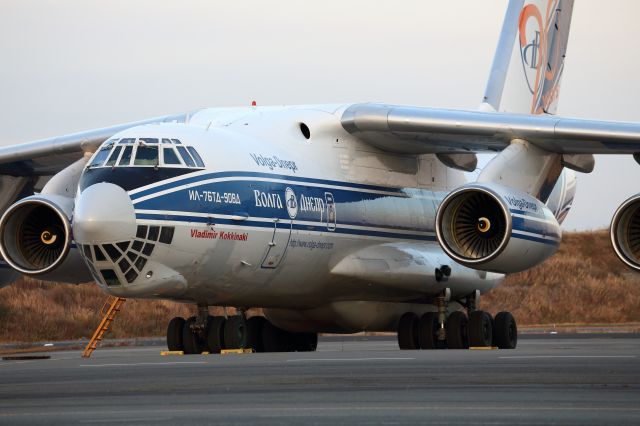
528,64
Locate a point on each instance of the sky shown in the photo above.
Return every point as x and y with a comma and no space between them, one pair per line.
74,65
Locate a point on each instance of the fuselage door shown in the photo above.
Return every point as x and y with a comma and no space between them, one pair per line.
278,244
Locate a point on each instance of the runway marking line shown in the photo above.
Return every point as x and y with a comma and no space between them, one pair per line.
307,409
135,364
348,359
565,356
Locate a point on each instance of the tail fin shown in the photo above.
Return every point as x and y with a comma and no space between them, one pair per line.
528,64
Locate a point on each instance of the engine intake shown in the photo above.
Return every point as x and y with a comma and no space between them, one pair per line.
625,232
495,228
35,235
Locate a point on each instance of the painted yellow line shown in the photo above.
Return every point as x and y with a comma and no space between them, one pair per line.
236,351
483,348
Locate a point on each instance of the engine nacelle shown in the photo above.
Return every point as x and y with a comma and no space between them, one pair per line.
495,228
35,239
625,232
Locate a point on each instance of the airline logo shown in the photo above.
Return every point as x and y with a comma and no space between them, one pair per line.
542,39
292,203
530,27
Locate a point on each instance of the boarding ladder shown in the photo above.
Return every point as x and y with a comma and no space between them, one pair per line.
109,311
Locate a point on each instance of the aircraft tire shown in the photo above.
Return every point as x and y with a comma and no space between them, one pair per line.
174,334
275,339
305,342
457,331
480,329
235,332
254,333
408,331
192,343
215,333
427,331
505,331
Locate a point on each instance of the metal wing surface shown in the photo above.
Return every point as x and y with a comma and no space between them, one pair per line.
419,130
46,157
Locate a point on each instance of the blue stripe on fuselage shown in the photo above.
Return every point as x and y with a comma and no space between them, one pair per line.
202,177
356,205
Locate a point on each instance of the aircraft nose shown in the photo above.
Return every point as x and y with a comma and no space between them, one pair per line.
103,214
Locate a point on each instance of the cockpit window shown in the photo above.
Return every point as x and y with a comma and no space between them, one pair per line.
186,157
170,156
114,157
196,156
146,156
101,156
125,160
149,152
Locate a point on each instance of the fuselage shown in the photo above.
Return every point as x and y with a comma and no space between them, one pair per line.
279,211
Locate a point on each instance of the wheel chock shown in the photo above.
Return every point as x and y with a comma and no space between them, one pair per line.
482,348
165,353
237,351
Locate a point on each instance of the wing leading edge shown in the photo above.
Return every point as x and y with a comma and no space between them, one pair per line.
419,130
48,156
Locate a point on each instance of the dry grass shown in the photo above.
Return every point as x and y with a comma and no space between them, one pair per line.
583,284
32,310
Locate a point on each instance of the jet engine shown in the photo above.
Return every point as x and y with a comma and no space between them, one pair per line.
495,228
35,239
625,232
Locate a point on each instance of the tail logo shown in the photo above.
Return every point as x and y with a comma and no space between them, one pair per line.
531,39
540,51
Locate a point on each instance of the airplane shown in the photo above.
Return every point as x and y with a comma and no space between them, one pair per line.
330,218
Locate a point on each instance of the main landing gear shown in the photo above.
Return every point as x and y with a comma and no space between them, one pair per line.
436,330
215,333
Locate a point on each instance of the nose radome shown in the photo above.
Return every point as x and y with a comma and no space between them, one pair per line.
103,214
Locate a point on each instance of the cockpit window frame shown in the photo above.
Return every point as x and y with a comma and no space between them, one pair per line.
187,155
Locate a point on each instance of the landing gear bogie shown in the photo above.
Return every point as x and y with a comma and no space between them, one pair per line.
216,333
460,331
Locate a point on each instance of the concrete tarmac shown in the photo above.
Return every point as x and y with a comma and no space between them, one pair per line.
573,380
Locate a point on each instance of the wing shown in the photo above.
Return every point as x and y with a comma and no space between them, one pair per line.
417,130
48,156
